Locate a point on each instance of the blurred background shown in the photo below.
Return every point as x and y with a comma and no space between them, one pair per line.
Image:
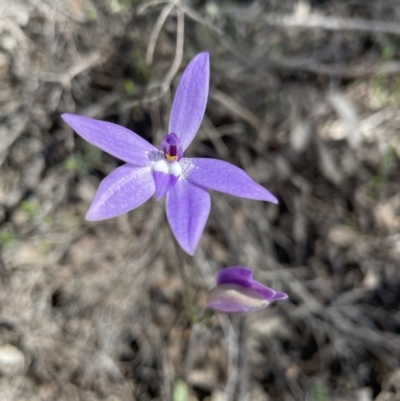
305,97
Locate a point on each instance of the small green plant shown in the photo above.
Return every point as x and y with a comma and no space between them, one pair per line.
91,14
49,221
319,392
6,238
83,163
379,180
140,65
31,207
129,87
388,51
116,6
385,90
180,391
92,155
388,161
44,245
276,49
71,163
375,187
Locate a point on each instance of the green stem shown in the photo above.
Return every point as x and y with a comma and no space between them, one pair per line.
188,294
186,288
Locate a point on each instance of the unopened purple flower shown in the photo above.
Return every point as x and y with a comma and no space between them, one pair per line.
238,292
163,171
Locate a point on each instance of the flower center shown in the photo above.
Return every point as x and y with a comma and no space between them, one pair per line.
161,166
171,147
165,175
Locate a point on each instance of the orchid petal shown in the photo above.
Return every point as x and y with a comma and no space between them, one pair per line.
224,177
235,275
266,292
126,188
278,296
164,182
190,100
242,276
188,207
113,139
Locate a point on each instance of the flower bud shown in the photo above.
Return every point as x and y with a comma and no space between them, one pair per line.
233,298
238,292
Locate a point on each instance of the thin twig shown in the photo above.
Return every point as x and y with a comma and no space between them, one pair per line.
349,72
157,29
310,21
143,7
180,31
186,285
244,361
236,108
214,136
189,360
199,19
233,357
163,86
66,77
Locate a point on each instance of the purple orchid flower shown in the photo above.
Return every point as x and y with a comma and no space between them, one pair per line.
238,292
163,171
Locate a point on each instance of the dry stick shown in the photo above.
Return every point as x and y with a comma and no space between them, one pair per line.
8,135
215,137
198,18
51,12
66,77
341,320
189,360
332,23
180,30
166,377
236,108
233,357
244,361
164,85
157,29
17,32
349,72
143,7
203,265
369,124
313,66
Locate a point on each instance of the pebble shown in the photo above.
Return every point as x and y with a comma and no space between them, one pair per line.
12,361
